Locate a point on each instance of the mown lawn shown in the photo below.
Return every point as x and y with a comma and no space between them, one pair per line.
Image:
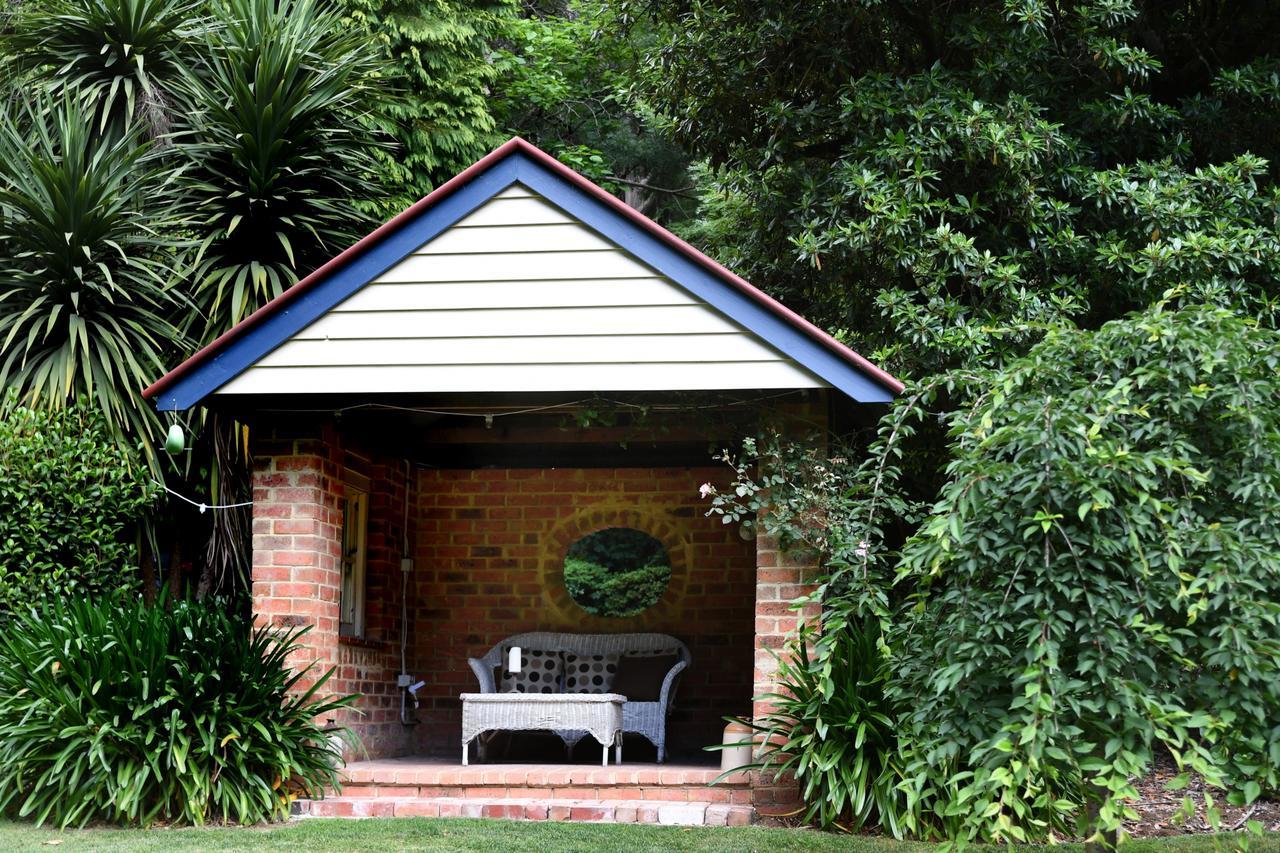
322,836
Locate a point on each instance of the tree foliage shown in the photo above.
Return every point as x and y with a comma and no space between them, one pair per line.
121,56
617,571
1101,575
941,180
436,53
274,151
564,73
1052,219
1096,582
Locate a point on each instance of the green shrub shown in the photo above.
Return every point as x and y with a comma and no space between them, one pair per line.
120,712
832,726
1099,581
70,496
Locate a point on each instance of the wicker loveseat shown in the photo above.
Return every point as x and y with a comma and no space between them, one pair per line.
647,718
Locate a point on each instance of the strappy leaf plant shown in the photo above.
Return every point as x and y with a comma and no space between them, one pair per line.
111,710
831,726
278,151
87,263
121,55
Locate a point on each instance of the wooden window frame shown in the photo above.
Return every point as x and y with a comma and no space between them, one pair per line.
355,555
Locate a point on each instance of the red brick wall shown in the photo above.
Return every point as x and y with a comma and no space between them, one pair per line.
488,546
781,577
490,550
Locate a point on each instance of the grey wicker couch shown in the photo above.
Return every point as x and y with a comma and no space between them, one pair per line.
643,718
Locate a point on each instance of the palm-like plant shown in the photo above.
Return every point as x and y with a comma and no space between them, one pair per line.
831,725
121,55
277,152
85,263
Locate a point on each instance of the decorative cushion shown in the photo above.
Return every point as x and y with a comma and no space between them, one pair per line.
640,676
589,673
539,672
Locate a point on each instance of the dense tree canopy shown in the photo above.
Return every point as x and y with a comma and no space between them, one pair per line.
564,75
939,178
436,55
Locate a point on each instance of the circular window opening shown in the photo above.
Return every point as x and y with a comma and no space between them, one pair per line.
617,571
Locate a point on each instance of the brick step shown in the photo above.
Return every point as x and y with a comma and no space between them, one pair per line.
672,813
539,782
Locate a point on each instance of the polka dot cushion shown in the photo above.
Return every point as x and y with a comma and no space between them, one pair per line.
589,673
539,673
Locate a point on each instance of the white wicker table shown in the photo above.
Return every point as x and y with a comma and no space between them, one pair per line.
599,714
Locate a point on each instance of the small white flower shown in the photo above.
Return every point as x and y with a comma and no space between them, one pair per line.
861,550
706,489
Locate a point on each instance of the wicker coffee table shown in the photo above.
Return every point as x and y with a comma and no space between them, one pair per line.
598,714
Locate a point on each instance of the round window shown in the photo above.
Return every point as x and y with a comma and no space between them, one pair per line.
617,571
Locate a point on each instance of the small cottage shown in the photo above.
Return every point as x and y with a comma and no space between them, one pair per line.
492,418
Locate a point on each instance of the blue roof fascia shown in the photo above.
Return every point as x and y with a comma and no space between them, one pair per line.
703,284
248,349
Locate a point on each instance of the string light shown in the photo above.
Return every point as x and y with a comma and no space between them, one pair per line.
198,504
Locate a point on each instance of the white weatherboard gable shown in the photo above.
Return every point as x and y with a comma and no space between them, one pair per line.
519,296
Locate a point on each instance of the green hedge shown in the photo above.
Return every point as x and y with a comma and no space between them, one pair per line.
70,500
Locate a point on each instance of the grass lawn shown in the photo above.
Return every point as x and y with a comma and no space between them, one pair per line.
322,836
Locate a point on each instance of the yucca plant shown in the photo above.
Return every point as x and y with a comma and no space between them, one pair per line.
278,151
833,728
120,55
112,710
87,263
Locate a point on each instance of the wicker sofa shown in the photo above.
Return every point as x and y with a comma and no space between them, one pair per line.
647,718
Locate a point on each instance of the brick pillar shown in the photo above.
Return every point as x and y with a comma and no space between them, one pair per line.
297,529
781,577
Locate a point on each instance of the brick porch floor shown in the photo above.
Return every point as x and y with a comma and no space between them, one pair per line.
626,793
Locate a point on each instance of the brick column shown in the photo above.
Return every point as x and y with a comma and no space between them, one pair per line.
781,577
297,529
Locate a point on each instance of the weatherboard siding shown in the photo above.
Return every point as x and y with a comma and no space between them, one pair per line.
520,297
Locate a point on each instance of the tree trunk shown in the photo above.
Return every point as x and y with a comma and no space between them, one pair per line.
175,571
147,565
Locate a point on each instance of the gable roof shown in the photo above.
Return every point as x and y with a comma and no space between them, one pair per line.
517,161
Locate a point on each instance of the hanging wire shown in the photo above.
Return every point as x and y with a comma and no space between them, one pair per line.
489,416
198,504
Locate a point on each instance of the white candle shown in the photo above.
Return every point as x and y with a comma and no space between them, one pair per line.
513,659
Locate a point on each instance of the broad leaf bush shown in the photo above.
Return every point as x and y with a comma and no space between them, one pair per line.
603,591
1100,578
111,710
71,498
